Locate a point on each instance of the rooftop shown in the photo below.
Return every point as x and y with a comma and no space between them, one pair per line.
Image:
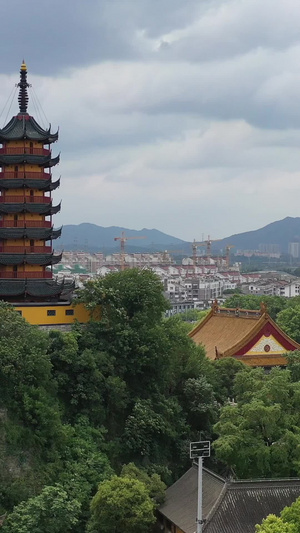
228,506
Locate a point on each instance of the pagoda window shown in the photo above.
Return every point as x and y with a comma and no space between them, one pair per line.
15,221
31,195
51,312
31,147
31,243
16,171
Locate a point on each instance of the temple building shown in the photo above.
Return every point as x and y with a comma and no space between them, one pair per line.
228,506
249,336
26,211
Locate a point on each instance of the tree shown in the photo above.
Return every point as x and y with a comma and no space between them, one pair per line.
84,464
154,432
293,364
274,304
273,524
131,329
289,521
155,486
79,376
225,371
24,362
133,295
50,512
259,435
146,363
289,321
291,515
32,433
200,403
121,504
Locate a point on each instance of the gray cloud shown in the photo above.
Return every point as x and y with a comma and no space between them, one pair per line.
178,115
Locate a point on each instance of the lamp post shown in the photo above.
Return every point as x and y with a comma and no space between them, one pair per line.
198,450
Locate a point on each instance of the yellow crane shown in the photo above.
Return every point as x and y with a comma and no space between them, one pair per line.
122,240
228,248
208,243
167,252
194,248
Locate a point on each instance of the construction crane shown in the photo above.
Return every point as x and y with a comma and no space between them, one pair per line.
166,252
122,240
228,248
208,243
194,248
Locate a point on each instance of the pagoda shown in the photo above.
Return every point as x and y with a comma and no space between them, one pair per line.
26,209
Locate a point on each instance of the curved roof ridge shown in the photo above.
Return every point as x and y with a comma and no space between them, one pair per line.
262,321
256,327
24,126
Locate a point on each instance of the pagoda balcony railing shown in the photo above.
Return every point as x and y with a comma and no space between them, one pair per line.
25,275
25,224
19,150
27,249
9,175
8,199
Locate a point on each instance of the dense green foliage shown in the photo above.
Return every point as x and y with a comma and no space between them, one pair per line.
274,304
131,388
121,504
100,418
259,435
51,512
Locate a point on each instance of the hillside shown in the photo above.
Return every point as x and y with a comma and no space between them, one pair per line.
280,232
93,238
98,238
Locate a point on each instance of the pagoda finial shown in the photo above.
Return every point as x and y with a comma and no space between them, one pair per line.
23,85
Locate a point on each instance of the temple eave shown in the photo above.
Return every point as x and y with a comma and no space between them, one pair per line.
34,288
7,259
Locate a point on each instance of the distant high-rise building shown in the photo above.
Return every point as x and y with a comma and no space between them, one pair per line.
294,249
269,248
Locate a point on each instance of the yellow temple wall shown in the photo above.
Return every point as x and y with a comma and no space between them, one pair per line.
38,314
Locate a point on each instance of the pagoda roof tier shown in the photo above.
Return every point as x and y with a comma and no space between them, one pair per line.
41,234
40,185
39,209
23,126
42,160
29,259
35,288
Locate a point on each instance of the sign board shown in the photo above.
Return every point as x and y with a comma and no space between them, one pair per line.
200,449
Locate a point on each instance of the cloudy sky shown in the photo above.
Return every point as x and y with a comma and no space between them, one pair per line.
180,115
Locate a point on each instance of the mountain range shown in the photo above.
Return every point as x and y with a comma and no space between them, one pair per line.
93,238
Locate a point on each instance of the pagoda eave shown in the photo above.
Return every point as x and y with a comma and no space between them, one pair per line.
45,161
41,209
39,289
24,126
39,184
29,259
42,234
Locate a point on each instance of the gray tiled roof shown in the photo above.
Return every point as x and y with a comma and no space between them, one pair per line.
23,126
228,506
45,161
180,506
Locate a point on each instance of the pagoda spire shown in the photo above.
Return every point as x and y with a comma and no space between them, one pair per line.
23,85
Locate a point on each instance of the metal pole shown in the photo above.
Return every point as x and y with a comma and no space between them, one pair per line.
199,509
